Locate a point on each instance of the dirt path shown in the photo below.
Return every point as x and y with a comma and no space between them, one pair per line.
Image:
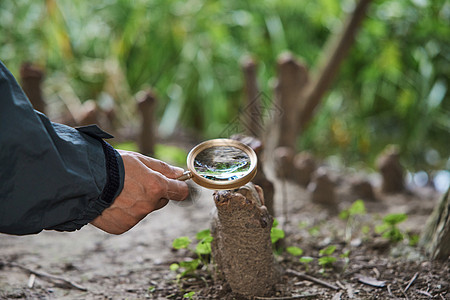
91,257
136,265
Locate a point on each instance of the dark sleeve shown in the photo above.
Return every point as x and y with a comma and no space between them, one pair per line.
52,176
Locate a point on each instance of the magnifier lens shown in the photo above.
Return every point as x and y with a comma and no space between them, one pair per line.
222,163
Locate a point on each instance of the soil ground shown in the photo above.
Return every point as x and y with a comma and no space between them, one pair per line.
136,264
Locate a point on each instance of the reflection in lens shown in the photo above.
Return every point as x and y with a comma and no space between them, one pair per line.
222,163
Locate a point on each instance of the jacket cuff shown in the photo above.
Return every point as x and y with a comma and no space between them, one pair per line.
113,184
115,176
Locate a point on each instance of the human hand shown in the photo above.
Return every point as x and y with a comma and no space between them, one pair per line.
149,185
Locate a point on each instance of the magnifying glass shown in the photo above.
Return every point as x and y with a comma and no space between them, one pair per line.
221,164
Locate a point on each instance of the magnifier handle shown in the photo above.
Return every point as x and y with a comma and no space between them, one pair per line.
186,175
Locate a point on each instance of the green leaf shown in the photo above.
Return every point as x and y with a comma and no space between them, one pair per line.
174,267
344,215
365,229
357,208
276,234
345,254
190,265
203,234
181,242
203,247
394,219
413,239
151,289
188,295
381,228
296,251
328,250
306,259
326,260
314,231
394,235
275,223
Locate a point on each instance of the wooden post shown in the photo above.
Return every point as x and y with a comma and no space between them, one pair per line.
31,80
147,106
388,163
304,167
252,114
323,191
242,248
292,79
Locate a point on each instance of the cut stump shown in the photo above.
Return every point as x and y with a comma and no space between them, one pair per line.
242,248
436,236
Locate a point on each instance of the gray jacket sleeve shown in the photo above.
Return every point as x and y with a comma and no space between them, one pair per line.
52,176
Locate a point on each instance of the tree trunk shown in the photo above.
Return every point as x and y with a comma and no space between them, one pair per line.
242,248
336,50
436,236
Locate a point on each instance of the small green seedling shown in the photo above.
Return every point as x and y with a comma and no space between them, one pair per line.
276,233
306,260
151,289
204,244
349,215
327,260
189,295
389,227
413,239
314,231
202,250
328,250
357,208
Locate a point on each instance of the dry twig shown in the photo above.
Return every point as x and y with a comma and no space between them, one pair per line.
403,292
389,290
425,293
49,276
312,279
287,297
411,281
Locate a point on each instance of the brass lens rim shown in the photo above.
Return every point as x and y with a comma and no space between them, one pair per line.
222,185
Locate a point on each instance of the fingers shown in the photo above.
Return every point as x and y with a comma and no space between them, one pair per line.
177,190
161,167
157,176
161,187
154,164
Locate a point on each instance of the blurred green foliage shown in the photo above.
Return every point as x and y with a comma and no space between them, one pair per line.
392,89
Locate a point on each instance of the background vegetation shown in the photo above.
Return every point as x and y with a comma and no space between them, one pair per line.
392,89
